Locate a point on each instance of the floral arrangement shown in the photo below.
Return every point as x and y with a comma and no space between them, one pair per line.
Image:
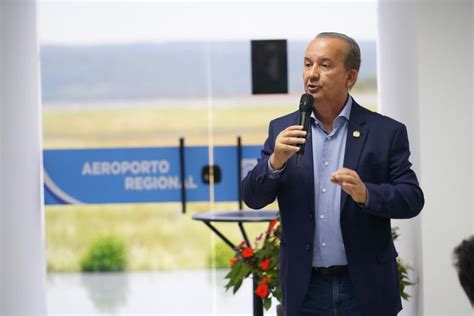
263,262
402,271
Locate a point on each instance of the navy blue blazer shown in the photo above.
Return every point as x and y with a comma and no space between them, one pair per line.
380,155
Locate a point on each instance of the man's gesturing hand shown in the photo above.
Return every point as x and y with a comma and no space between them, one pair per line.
286,145
351,183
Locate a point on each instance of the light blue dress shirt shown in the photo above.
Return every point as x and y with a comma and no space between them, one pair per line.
328,156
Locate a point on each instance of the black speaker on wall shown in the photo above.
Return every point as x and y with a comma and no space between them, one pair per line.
269,66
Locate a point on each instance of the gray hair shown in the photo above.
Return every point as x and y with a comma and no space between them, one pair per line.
352,58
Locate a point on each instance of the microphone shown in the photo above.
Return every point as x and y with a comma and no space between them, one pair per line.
306,107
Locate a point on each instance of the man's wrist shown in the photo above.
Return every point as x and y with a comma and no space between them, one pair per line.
272,173
366,202
275,165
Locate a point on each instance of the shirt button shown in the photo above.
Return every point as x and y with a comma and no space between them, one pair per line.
310,216
326,163
323,244
321,216
307,247
323,190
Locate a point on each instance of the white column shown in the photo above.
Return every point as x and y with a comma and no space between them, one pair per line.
472,110
444,32
398,98
22,260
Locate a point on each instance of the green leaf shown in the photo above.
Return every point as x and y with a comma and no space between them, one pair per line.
244,271
234,271
277,295
267,303
237,286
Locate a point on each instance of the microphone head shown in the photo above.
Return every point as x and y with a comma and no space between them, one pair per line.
306,103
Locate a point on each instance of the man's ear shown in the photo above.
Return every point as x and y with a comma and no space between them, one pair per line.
352,78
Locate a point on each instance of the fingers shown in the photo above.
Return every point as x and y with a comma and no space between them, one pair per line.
351,183
343,178
292,135
345,175
288,148
286,144
292,140
294,127
293,131
349,188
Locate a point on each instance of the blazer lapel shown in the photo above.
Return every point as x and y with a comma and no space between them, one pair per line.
306,172
307,169
357,132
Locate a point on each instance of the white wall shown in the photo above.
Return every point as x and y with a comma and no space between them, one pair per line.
425,53
444,32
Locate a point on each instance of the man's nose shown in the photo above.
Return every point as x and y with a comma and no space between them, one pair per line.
314,72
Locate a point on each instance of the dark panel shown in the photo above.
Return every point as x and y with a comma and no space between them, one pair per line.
269,66
206,174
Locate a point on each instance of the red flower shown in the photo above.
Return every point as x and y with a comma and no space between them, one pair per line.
265,264
271,226
233,262
264,280
247,252
262,290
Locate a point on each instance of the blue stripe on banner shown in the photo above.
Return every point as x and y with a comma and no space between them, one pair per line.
139,175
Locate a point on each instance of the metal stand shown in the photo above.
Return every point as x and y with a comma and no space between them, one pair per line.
257,301
239,217
182,174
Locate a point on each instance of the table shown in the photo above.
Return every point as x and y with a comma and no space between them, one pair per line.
238,217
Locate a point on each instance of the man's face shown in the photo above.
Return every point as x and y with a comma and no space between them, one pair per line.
324,74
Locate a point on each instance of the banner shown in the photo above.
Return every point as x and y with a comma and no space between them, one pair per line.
142,175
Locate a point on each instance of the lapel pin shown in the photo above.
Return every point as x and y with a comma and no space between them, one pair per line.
356,134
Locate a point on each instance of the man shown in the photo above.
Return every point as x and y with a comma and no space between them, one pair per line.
464,263
337,256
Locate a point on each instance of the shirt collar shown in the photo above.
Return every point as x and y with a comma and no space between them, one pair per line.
345,113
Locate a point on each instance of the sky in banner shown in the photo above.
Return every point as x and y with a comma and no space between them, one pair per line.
99,22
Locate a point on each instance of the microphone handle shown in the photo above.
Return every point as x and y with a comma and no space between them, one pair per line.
305,120
298,160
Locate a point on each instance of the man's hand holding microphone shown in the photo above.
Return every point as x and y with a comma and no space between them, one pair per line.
291,140
286,145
